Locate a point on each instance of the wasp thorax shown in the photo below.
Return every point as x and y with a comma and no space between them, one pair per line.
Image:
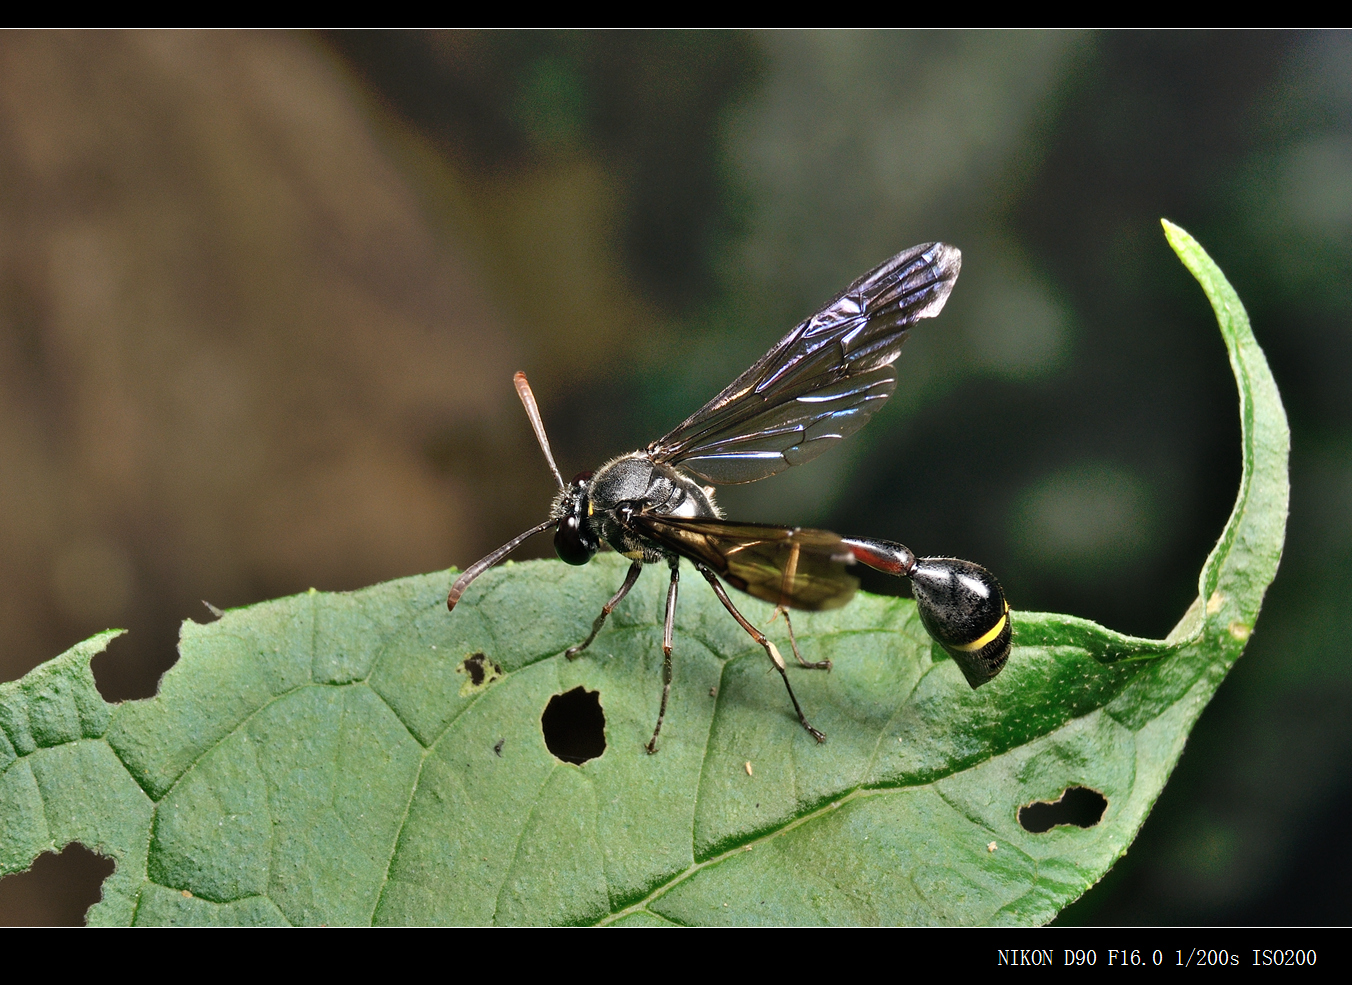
964,609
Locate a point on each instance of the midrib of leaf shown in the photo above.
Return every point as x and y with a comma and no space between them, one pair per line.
750,845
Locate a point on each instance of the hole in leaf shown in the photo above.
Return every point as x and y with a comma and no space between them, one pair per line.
575,726
1080,806
132,665
56,891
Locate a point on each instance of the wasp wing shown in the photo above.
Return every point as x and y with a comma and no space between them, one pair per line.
821,382
789,566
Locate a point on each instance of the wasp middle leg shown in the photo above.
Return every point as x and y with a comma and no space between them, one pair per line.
668,626
770,649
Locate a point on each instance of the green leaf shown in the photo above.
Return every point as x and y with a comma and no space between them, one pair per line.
333,758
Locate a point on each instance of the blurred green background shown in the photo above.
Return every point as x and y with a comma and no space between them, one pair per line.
261,296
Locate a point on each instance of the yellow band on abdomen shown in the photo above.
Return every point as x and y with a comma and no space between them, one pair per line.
994,632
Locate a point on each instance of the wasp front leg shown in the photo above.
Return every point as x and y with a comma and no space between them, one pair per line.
635,570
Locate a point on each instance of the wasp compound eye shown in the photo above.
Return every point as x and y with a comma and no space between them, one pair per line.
572,542
964,609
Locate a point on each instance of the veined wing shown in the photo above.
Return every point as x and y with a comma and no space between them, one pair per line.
790,566
821,382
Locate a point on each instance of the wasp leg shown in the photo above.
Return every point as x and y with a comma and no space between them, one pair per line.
793,642
668,625
635,570
770,649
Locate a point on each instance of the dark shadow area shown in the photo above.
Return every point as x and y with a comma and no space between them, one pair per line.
1078,805
1312,889
574,726
56,891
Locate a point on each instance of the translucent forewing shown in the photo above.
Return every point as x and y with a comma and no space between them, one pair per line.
788,566
821,382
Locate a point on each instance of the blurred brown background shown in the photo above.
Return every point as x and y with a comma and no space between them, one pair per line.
261,296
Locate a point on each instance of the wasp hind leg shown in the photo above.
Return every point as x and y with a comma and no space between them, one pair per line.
635,570
770,649
668,625
793,642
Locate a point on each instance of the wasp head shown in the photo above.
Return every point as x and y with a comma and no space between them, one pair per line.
575,539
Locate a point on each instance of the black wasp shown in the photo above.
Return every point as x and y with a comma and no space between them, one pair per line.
819,384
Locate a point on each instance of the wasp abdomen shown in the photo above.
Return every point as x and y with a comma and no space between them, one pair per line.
964,609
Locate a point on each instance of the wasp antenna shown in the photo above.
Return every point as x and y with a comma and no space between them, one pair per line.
482,565
533,412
